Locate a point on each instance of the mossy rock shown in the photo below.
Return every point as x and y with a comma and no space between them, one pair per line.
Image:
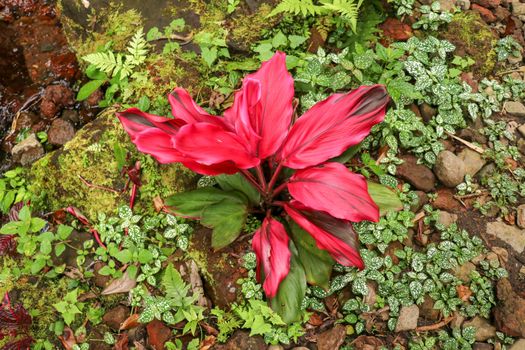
61,178
473,37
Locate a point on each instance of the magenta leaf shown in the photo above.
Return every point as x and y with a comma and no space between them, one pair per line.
270,244
331,234
184,108
331,126
262,109
210,144
330,187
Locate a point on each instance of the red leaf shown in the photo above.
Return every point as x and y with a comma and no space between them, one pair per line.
210,144
7,244
270,244
330,187
21,344
331,126
122,342
331,234
262,110
185,109
14,318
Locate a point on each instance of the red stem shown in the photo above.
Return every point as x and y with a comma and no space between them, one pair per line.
275,176
262,180
133,195
279,189
97,238
252,180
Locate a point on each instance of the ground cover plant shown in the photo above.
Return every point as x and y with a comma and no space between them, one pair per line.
263,175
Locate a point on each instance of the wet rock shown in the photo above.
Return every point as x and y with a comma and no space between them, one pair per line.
488,3
27,151
241,340
90,155
484,330
482,346
510,311
446,219
25,121
71,116
427,112
60,132
158,334
54,99
518,345
501,13
95,98
472,160
114,317
463,271
511,235
449,169
520,217
485,13
395,30
515,108
417,175
331,339
407,320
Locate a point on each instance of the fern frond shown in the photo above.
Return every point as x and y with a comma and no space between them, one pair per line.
297,7
104,61
348,9
138,49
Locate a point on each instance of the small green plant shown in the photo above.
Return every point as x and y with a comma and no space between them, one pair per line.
69,307
13,189
508,47
432,17
403,7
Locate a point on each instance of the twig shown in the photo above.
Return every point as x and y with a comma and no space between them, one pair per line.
435,325
470,145
467,196
185,39
91,185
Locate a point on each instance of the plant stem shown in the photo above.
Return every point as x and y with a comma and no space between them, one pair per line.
274,177
252,180
262,180
279,189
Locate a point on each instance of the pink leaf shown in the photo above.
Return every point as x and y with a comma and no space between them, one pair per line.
270,244
330,187
209,144
331,126
262,109
184,108
333,235
135,121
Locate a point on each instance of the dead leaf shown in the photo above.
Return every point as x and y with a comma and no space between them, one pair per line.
209,329
464,292
158,204
130,322
139,345
158,334
87,296
315,319
207,343
120,285
122,342
68,338
365,342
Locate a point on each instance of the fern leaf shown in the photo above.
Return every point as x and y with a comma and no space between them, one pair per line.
174,284
348,9
297,7
137,48
104,61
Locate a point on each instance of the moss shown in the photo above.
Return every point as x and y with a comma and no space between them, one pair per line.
85,173
474,38
247,29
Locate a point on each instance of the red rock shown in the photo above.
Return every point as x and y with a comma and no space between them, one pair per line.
485,13
418,175
491,4
445,200
55,98
510,311
395,30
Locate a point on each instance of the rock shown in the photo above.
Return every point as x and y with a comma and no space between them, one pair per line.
482,346
241,340
520,218
447,5
463,271
501,13
449,169
417,175
515,108
472,135
27,151
486,171
25,121
445,200
427,112
518,9
300,348
427,310
90,155
518,345
71,116
472,160
158,334
114,317
511,235
485,13
275,347
446,219
463,4
395,30
484,330
509,313
54,99
492,4
331,339
407,320
60,132
98,279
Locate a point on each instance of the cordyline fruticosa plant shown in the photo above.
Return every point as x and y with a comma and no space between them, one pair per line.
283,170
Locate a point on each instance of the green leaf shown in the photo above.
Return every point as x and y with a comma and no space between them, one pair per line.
120,155
296,40
237,182
227,219
59,249
317,263
144,103
124,256
347,155
145,256
37,224
279,40
92,72
63,231
287,302
88,88
37,265
11,228
386,199
105,271
209,55
192,203
174,284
